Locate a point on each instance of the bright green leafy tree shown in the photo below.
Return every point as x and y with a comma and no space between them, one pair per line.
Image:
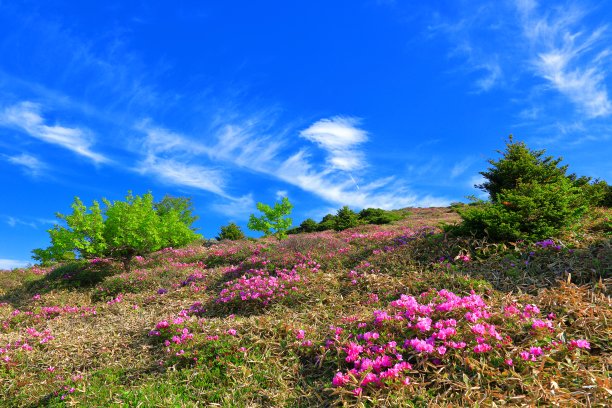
182,205
122,230
274,220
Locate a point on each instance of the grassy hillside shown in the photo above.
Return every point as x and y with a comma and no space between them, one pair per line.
394,315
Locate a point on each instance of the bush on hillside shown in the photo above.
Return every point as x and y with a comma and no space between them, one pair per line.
327,223
377,216
530,198
231,231
122,230
596,192
345,218
520,164
309,225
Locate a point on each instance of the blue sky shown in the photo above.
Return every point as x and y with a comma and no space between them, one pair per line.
363,103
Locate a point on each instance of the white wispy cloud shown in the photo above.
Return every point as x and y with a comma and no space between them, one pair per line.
180,160
32,165
461,167
244,146
13,222
570,58
280,194
339,137
26,117
339,189
483,63
174,172
12,263
175,158
555,44
493,75
239,208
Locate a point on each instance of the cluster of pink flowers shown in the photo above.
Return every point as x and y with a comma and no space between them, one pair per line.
174,331
50,312
115,300
463,258
181,252
360,271
96,261
183,334
18,317
261,285
39,270
434,326
583,344
44,337
32,336
375,235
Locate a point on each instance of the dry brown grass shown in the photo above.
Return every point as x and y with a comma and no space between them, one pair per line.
111,360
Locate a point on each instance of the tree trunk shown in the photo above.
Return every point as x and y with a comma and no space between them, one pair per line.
127,262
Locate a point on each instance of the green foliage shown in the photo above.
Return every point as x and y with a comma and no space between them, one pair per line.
345,218
182,205
596,192
231,232
531,198
327,223
123,230
274,221
309,225
377,216
520,164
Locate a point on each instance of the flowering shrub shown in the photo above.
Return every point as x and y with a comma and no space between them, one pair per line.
440,328
261,286
187,342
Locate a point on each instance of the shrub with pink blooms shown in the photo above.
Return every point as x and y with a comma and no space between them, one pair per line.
414,335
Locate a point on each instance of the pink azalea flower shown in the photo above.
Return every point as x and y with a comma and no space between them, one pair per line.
340,379
583,344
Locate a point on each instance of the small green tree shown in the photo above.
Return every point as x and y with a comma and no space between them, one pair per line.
377,216
520,164
328,222
274,221
231,232
345,218
309,225
122,230
531,198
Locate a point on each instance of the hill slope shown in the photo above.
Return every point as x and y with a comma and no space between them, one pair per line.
396,315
